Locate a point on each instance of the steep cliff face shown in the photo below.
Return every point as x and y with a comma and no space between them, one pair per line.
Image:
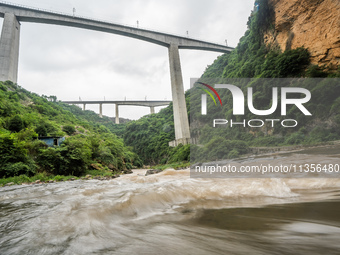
314,24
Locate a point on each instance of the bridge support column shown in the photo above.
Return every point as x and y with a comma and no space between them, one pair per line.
84,107
117,114
152,109
182,132
9,48
101,110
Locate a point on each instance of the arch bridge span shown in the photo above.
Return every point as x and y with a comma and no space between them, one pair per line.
14,15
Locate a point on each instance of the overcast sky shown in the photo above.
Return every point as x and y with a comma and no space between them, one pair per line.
71,63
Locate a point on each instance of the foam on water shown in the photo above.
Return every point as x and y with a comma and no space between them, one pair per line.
124,214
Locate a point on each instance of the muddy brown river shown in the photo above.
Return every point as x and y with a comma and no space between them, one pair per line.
171,213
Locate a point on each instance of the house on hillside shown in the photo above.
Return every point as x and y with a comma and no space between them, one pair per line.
52,140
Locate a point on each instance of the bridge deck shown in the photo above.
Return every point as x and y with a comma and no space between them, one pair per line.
28,14
137,103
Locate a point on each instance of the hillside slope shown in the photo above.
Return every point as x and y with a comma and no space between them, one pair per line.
253,57
25,116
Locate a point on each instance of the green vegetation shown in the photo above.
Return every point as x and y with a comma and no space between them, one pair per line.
41,177
92,117
150,136
26,116
322,126
69,129
252,58
97,146
176,166
46,177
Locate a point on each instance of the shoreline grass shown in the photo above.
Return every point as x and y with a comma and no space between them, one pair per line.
46,177
176,166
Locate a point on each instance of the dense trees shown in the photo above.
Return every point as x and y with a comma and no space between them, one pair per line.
69,129
25,116
14,158
253,59
15,124
150,135
91,140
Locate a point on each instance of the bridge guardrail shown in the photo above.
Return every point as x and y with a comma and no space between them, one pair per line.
102,21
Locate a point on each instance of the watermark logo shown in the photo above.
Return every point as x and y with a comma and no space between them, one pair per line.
302,96
237,123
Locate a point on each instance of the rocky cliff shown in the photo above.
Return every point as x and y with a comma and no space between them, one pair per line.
314,24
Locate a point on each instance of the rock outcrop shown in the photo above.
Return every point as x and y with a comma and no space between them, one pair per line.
152,171
314,24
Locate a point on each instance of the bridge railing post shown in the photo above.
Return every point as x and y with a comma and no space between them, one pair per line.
9,48
182,132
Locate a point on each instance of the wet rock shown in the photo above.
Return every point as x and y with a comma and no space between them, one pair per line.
153,171
111,167
87,177
127,172
96,166
98,178
182,168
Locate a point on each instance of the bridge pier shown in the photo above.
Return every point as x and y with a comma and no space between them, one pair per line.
101,110
9,48
84,107
152,109
182,132
117,114
9,51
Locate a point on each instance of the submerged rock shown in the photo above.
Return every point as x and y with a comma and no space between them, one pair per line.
127,172
153,171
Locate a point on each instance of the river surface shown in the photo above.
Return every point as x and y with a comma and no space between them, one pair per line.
171,213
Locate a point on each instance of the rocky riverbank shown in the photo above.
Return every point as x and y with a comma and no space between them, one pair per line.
258,151
284,149
19,180
87,177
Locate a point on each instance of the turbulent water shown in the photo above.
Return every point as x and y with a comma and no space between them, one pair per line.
171,213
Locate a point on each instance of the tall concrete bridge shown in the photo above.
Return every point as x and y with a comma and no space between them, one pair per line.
14,15
151,104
